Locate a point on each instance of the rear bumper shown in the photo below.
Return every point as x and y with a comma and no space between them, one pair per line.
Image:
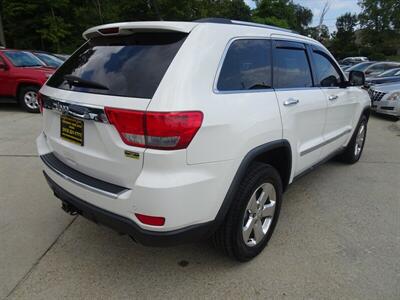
126,226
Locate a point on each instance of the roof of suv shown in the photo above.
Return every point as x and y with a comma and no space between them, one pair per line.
130,27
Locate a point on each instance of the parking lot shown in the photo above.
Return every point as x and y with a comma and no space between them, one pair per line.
338,236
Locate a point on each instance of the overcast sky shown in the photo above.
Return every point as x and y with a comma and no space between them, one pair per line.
337,8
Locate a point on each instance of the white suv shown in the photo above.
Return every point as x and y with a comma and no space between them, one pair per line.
172,132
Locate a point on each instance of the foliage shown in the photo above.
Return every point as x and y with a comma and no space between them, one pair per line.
283,13
57,25
380,21
344,40
320,34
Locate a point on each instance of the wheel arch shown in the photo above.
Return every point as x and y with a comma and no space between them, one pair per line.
23,84
366,112
276,153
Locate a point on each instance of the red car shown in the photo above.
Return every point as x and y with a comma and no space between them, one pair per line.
21,76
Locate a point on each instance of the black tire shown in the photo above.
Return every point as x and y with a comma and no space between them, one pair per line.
30,89
350,156
230,237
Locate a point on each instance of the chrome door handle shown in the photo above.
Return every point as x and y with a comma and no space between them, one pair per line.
333,97
291,101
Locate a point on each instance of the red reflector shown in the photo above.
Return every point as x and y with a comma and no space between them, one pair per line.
155,130
110,30
151,220
40,102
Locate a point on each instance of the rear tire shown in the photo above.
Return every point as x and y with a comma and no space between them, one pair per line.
354,149
28,98
253,214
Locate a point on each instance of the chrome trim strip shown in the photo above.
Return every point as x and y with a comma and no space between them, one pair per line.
313,148
81,184
77,110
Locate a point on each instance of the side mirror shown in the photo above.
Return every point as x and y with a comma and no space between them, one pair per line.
3,66
356,78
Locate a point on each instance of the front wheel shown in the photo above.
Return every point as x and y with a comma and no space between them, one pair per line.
253,215
354,149
28,98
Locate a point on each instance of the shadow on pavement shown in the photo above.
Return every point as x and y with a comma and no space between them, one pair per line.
10,107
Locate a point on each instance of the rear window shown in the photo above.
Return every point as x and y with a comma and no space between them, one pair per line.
129,66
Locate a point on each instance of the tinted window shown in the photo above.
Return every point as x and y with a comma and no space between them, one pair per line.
23,59
49,60
327,75
360,67
375,68
130,66
391,72
291,68
247,65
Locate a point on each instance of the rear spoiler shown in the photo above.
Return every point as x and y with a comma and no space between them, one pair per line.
127,28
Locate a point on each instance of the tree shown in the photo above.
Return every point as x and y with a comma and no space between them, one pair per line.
343,40
283,13
319,33
380,23
325,10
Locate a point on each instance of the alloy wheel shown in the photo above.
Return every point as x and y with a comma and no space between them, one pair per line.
359,140
30,99
259,213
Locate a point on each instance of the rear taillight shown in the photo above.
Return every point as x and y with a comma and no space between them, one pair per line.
155,130
40,102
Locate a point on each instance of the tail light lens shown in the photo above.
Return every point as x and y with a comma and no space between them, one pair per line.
155,130
40,102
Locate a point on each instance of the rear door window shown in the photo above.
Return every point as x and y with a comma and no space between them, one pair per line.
291,66
130,66
247,66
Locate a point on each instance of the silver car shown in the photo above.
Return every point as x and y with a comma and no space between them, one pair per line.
385,99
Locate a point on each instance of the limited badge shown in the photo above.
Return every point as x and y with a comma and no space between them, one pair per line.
131,154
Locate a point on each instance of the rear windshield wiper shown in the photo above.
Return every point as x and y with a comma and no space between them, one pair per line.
77,81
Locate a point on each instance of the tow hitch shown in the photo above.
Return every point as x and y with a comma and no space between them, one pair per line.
69,209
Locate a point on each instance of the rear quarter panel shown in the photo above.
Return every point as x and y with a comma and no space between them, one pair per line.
234,123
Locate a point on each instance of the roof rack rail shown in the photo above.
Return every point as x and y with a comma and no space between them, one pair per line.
244,23
214,20
262,26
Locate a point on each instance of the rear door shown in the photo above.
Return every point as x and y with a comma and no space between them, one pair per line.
342,102
121,72
303,106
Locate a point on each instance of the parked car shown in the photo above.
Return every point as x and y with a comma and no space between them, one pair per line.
359,67
385,99
351,61
371,70
345,67
144,133
49,60
21,76
63,57
392,75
